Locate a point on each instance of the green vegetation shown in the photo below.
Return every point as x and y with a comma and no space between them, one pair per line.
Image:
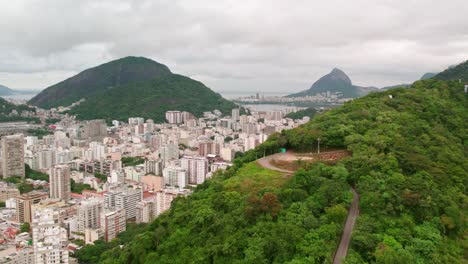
91,81
2,204
155,97
132,161
131,86
310,112
21,183
248,214
6,108
91,253
39,132
100,176
79,187
25,227
408,166
35,175
459,72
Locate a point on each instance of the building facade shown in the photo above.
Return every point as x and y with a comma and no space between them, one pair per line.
59,182
13,156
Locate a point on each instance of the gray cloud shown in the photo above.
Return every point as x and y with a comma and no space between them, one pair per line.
259,45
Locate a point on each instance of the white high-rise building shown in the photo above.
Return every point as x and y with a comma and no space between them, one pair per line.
175,177
196,167
235,114
146,211
154,166
46,158
13,156
174,117
59,182
134,121
126,199
49,239
168,152
249,128
112,223
89,212
98,149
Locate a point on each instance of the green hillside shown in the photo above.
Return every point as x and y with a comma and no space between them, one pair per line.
128,87
7,112
103,77
310,112
408,165
459,72
151,99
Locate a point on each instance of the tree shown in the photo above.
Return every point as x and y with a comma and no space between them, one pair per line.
25,227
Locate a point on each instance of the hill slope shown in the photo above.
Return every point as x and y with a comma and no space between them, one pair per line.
151,99
408,166
5,90
310,112
10,112
458,72
428,75
335,81
106,76
131,86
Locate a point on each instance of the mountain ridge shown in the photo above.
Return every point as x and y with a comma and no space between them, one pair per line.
335,81
104,76
131,86
6,91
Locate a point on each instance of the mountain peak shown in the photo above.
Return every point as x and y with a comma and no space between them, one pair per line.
337,71
114,73
339,74
336,82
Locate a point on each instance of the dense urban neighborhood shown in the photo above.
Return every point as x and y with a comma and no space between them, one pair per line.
84,181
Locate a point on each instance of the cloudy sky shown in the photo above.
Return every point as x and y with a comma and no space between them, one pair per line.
257,45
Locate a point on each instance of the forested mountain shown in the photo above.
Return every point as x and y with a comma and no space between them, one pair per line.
131,86
103,77
428,75
151,99
408,165
335,81
458,72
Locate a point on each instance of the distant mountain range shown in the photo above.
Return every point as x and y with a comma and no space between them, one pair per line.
338,81
6,91
131,86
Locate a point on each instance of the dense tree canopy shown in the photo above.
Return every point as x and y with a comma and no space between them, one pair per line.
310,112
408,164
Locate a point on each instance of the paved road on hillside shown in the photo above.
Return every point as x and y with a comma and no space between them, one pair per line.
353,212
265,162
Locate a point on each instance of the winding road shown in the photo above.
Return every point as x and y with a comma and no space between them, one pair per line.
353,212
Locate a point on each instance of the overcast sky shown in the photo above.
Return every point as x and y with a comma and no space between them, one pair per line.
255,45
